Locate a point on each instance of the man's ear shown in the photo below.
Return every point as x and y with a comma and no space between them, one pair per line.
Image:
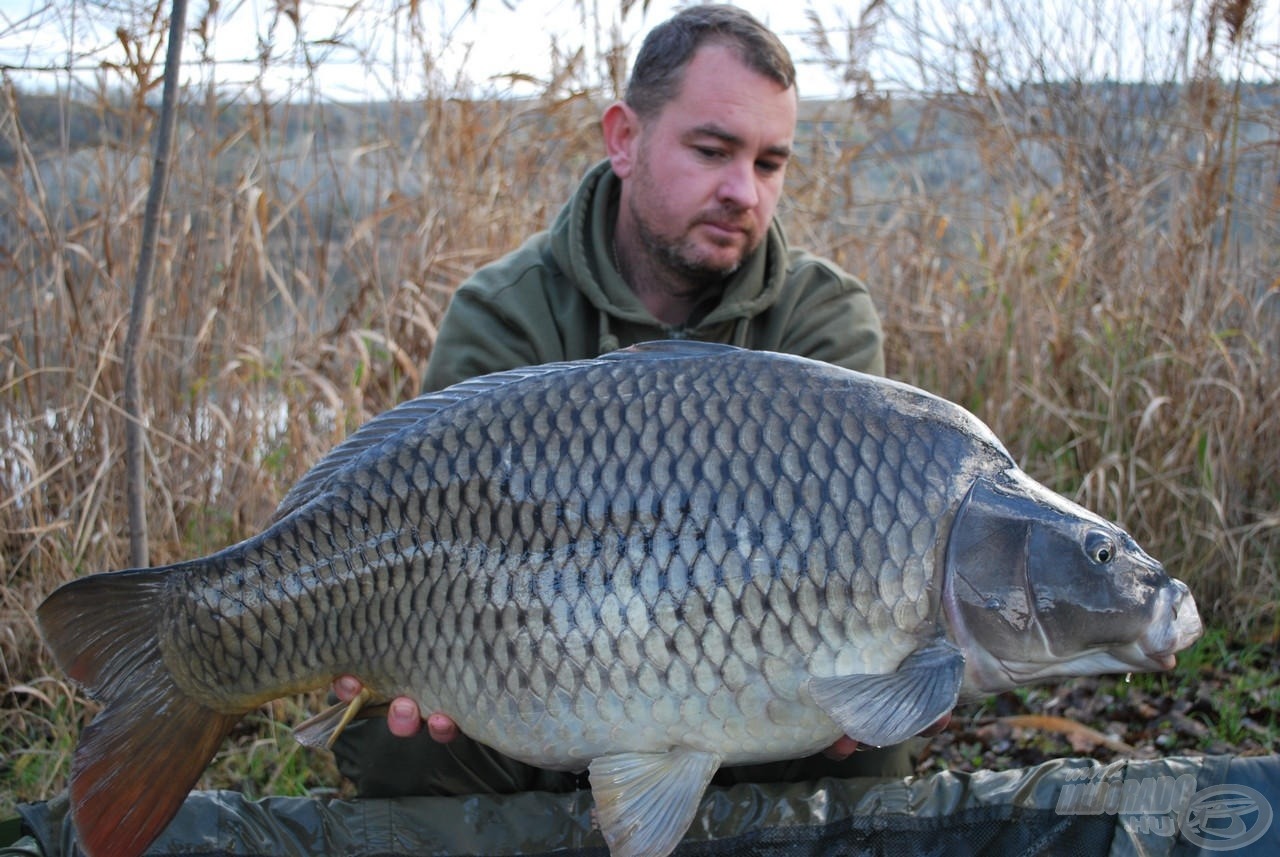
621,127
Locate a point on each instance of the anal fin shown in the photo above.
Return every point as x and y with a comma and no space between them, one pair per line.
646,801
323,729
880,710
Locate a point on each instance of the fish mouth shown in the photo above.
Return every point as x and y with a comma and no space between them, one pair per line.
1175,626
1182,627
994,674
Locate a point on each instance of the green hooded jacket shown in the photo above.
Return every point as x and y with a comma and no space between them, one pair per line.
560,297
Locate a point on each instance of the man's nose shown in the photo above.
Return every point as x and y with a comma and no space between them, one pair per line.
738,184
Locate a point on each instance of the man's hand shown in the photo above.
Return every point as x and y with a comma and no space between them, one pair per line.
405,720
846,746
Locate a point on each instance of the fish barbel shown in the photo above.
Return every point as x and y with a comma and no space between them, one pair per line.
646,566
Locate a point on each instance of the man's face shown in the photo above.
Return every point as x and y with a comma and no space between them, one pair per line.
708,168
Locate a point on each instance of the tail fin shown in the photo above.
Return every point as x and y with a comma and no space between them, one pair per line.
142,754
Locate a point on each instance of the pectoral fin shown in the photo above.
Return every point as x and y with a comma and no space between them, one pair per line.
887,709
646,801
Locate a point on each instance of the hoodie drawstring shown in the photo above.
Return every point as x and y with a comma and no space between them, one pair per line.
606,342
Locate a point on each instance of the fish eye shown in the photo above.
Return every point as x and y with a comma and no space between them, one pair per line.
1100,548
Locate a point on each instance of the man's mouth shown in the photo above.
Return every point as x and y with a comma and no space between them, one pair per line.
725,232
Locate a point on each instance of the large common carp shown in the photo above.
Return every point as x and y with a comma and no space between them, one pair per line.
647,565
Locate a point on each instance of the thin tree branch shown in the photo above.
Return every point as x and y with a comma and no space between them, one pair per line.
135,426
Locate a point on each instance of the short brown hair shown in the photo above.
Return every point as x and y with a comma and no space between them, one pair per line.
668,48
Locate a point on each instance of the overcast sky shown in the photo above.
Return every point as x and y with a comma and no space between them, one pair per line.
377,52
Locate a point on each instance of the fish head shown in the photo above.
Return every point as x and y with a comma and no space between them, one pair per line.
1037,588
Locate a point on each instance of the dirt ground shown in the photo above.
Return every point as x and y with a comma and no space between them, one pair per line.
1108,719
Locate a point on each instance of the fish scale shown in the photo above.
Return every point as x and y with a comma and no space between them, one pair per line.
647,565
664,494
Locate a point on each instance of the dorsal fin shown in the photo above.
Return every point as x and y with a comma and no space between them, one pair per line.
408,414
314,482
387,425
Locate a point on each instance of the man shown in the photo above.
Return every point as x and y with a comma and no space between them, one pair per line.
673,236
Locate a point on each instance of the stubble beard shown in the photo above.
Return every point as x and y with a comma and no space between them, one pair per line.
690,272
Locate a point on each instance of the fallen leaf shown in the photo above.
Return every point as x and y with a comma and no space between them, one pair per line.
1082,738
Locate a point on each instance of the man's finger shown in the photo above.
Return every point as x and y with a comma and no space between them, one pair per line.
842,749
442,728
939,725
347,687
403,718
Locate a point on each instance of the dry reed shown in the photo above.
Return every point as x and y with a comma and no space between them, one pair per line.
1091,269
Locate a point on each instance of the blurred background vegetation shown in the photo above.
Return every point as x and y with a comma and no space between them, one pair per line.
1068,215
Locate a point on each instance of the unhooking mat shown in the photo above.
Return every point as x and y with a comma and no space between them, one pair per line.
1176,806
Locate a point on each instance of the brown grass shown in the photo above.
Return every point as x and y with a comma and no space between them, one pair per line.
1093,278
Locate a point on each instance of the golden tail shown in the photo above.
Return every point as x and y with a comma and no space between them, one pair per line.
142,754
